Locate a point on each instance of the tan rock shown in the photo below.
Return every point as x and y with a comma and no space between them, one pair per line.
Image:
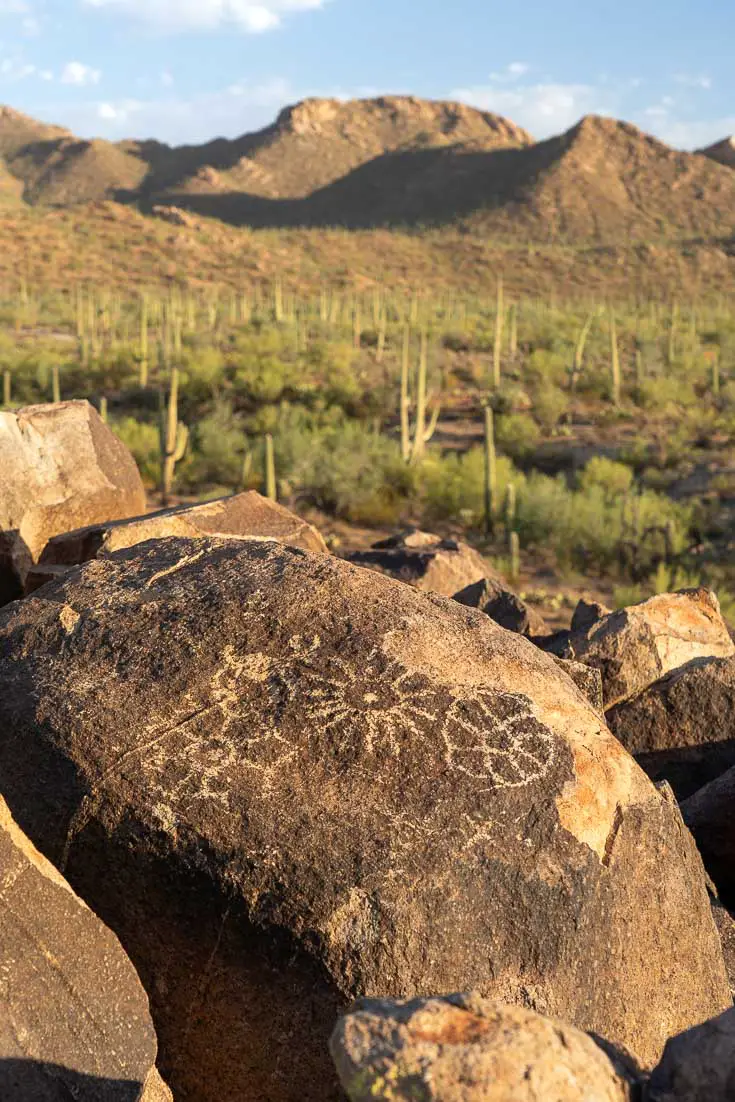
61,468
636,646
699,1065
74,1019
726,927
426,562
242,516
287,782
468,1049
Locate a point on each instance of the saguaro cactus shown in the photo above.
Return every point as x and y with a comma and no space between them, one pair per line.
412,450
55,384
7,387
174,437
614,360
491,471
499,328
271,488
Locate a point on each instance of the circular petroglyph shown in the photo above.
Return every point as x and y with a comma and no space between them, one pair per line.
494,738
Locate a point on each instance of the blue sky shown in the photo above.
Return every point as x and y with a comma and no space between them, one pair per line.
189,70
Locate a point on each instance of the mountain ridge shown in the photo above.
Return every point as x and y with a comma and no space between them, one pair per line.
389,161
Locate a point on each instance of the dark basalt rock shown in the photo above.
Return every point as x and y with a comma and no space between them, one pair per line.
682,728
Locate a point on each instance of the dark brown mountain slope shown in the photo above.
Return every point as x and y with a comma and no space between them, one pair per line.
723,152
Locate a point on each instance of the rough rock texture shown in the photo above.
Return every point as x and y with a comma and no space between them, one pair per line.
588,613
503,606
426,562
464,1048
74,1019
726,926
61,468
587,680
287,782
242,516
682,728
698,1066
710,817
638,645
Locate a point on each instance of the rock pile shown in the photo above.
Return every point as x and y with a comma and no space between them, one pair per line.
285,782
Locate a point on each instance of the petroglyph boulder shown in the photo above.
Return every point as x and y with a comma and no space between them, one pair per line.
682,728
61,468
698,1066
242,516
464,1048
636,646
287,782
503,606
74,1019
426,562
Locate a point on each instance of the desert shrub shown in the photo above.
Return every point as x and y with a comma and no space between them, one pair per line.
219,444
452,487
143,440
517,435
614,479
664,394
549,405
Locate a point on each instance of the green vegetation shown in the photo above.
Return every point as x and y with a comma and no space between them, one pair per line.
372,406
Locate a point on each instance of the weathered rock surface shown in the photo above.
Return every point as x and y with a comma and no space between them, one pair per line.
699,1065
503,606
74,1019
636,646
682,728
710,817
61,468
587,680
726,927
287,782
588,613
464,1048
426,562
242,516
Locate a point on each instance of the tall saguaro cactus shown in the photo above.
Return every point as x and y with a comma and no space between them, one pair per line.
499,329
412,449
614,360
174,437
271,486
491,471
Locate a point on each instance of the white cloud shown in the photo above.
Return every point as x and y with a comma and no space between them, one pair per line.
76,72
13,69
252,16
544,109
703,81
229,112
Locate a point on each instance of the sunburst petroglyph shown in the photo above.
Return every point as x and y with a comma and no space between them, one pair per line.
269,707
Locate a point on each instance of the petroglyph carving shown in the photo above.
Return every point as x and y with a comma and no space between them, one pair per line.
494,738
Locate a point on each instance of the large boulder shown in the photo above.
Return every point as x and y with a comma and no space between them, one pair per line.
426,562
710,817
241,516
287,782
468,1049
636,646
503,606
682,728
61,468
699,1065
74,1019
